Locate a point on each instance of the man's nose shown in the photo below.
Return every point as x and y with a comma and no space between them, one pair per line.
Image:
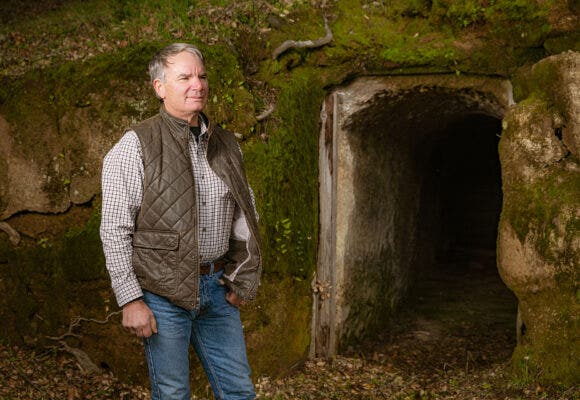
196,83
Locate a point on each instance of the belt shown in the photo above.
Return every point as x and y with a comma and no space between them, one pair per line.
218,265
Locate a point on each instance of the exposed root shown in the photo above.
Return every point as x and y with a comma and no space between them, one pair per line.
13,234
77,321
85,363
266,113
292,44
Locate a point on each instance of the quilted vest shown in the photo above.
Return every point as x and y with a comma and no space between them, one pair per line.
165,240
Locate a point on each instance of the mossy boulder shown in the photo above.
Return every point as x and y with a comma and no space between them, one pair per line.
538,243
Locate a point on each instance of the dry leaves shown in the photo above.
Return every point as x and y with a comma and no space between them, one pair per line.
25,375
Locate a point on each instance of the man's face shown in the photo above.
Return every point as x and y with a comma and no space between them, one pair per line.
185,89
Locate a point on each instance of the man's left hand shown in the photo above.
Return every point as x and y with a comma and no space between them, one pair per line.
234,299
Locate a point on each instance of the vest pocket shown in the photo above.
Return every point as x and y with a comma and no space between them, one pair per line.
155,258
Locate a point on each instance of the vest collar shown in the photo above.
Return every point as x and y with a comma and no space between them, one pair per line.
180,127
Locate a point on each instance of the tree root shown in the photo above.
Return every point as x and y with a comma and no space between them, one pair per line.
266,113
292,44
85,363
13,234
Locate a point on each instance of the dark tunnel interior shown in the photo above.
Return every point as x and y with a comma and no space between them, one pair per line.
460,287
427,185
441,205
465,176
461,201
427,204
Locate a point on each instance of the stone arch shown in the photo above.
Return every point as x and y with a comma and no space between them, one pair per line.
382,140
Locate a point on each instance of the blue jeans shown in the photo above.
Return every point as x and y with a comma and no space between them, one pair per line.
214,330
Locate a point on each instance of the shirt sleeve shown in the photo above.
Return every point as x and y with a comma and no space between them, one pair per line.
122,187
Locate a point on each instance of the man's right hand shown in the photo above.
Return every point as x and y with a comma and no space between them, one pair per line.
139,319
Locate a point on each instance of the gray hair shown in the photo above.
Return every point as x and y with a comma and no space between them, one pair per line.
160,60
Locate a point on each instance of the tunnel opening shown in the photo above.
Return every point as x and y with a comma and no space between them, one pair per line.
456,313
465,175
410,203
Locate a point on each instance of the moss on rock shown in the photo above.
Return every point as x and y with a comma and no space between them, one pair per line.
283,173
538,245
546,211
549,350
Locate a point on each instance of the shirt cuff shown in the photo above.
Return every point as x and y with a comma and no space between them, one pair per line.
127,293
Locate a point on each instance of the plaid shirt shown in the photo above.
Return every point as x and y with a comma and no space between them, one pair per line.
122,185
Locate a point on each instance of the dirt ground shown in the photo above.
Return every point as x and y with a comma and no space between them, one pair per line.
452,340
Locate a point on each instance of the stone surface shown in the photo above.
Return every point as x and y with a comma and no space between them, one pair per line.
23,180
569,90
67,172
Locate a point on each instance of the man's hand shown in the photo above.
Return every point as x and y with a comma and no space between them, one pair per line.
139,319
234,299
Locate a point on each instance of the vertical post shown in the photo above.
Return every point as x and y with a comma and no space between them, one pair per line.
323,330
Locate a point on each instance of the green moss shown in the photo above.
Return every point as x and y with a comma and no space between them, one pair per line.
282,172
50,282
521,22
230,103
549,352
79,253
269,323
410,51
544,83
410,8
386,34
467,36
563,43
545,210
35,104
29,108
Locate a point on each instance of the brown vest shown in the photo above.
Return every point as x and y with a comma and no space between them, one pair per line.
165,241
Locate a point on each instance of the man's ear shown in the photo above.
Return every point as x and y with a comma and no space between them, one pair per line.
159,88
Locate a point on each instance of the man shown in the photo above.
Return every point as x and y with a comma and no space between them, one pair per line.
180,234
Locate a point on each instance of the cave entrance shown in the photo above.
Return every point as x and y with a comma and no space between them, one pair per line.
410,194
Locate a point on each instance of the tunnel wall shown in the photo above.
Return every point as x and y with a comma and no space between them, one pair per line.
381,209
